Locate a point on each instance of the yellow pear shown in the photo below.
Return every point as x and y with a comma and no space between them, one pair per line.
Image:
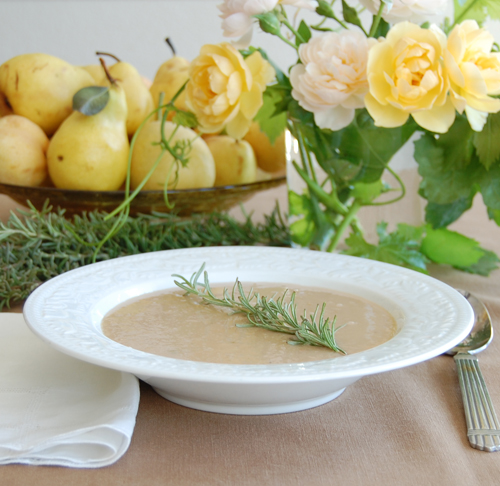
95,70
97,73
169,78
139,99
41,88
5,108
271,157
234,160
90,152
23,145
199,171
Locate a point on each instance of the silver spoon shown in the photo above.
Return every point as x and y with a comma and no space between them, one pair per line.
483,427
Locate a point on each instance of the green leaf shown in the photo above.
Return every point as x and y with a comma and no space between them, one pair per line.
487,142
271,121
185,118
91,100
315,228
305,33
382,28
367,192
479,10
490,188
485,265
324,9
298,204
302,231
350,14
442,215
415,246
360,144
400,247
451,248
494,214
448,164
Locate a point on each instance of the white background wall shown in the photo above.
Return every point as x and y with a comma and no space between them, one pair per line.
134,30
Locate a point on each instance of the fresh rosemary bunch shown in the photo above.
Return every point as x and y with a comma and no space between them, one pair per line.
267,312
42,244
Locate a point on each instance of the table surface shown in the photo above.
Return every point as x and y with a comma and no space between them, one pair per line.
403,427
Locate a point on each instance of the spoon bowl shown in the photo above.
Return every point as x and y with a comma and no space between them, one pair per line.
481,333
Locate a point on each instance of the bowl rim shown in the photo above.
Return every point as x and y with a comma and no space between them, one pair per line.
276,179
432,316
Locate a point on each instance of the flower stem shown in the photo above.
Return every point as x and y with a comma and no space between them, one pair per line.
462,16
396,199
346,222
376,20
284,39
293,30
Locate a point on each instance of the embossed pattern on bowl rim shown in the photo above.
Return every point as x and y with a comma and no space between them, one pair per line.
66,311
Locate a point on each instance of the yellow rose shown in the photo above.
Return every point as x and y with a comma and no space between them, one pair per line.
225,90
474,72
405,77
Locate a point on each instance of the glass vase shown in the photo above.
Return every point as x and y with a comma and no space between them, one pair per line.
326,206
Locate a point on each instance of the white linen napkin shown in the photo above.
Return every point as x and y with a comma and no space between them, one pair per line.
57,410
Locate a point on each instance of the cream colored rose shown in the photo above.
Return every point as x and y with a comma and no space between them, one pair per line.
237,15
331,81
225,90
413,10
406,78
474,72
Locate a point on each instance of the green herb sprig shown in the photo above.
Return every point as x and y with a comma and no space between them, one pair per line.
38,245
267,312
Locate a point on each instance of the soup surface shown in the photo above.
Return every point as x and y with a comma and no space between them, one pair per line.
171,324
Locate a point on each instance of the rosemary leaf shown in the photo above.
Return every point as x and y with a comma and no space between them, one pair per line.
267,312
39,245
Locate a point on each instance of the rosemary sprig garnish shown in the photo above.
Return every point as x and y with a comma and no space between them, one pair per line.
267,312
39,245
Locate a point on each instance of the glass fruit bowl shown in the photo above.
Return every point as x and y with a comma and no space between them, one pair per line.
186,201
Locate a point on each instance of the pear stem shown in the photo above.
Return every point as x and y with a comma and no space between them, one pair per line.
108,75
172,48
99,53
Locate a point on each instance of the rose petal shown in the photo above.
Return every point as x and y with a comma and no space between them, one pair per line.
438,119
385,115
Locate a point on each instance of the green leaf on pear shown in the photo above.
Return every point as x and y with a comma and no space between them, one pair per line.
91,100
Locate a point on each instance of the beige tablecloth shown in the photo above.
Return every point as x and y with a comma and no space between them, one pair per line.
403,427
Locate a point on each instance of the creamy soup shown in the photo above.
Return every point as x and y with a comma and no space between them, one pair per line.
172,324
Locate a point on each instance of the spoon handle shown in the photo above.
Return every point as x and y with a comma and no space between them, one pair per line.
483,427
